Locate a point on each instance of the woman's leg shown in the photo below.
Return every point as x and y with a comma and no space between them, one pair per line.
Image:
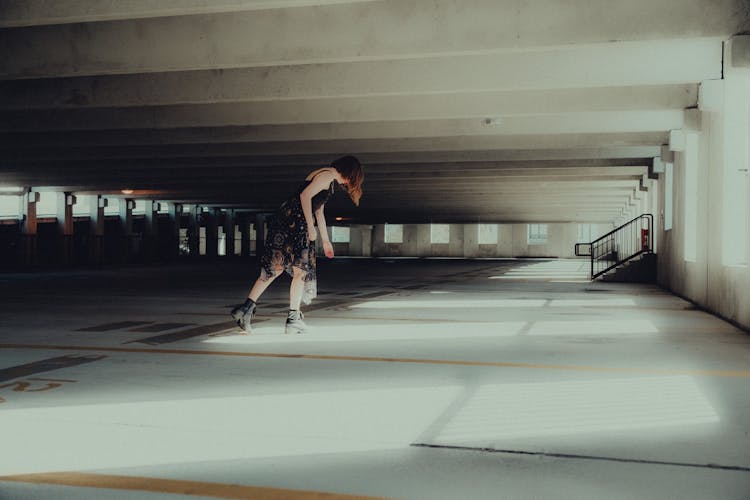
295,320
260,286
244,313
297,289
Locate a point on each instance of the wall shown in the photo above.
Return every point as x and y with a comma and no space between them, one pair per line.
512,242
722,141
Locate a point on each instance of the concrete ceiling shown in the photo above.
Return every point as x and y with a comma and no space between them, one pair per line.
492,110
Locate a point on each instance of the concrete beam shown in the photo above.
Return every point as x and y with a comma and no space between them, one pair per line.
193,228
711,95
618,64
677,140
17,13
28,250
163,172
739,48
354,31
693,118
570,123
65,202
96,228
387,147
478,105
564,158
666,154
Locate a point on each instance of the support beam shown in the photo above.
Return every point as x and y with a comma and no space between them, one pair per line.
212,231
475,105
677,140
364,30
260,233
229,224
739,49
244,222
17,13
65,202
96,229
193,230
150,231
711,95
64,143
28,247
171,250
652,62
124,241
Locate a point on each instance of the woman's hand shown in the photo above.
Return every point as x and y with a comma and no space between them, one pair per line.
312,234
328,249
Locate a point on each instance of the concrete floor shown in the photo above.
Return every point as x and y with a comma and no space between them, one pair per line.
422,379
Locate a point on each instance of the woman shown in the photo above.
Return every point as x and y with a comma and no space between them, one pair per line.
290,241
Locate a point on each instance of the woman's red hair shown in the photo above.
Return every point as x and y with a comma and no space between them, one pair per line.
351,170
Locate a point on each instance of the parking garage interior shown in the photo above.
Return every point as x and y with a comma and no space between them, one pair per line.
543,293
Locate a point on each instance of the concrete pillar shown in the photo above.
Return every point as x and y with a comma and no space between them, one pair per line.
193,230
470,242
229,232
96,229
244,222
171,251
65,202
150,231
260,234
28,247
366,240
126,229
212,232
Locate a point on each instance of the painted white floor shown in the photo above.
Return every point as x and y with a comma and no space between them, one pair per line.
419,379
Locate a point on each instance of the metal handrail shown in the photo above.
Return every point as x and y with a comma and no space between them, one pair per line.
620,245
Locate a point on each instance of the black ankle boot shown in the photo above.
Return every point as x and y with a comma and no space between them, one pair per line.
295,322
244,315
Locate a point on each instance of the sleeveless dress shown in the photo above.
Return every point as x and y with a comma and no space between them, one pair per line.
287,246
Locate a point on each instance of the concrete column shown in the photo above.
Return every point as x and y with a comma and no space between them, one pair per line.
28,249
65,202
260,237
364,248
244,222
126,228
212,232
229,232
150,231
96,229
470,244
172,241
193,230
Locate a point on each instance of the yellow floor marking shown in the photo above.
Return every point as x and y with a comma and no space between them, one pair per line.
326,357
178,487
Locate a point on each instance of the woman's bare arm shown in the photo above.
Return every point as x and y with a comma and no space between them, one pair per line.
319,183
321,218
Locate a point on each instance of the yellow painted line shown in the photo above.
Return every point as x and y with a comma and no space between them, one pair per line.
496,364
178,487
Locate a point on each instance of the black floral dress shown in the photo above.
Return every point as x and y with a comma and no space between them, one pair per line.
287,245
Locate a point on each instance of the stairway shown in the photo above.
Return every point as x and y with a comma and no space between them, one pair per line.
640,270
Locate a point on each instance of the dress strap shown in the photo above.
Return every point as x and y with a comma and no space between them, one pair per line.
318,172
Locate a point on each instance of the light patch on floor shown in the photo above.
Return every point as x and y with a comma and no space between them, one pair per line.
592,303
86,437
600,328
495,413
449,304
575,270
